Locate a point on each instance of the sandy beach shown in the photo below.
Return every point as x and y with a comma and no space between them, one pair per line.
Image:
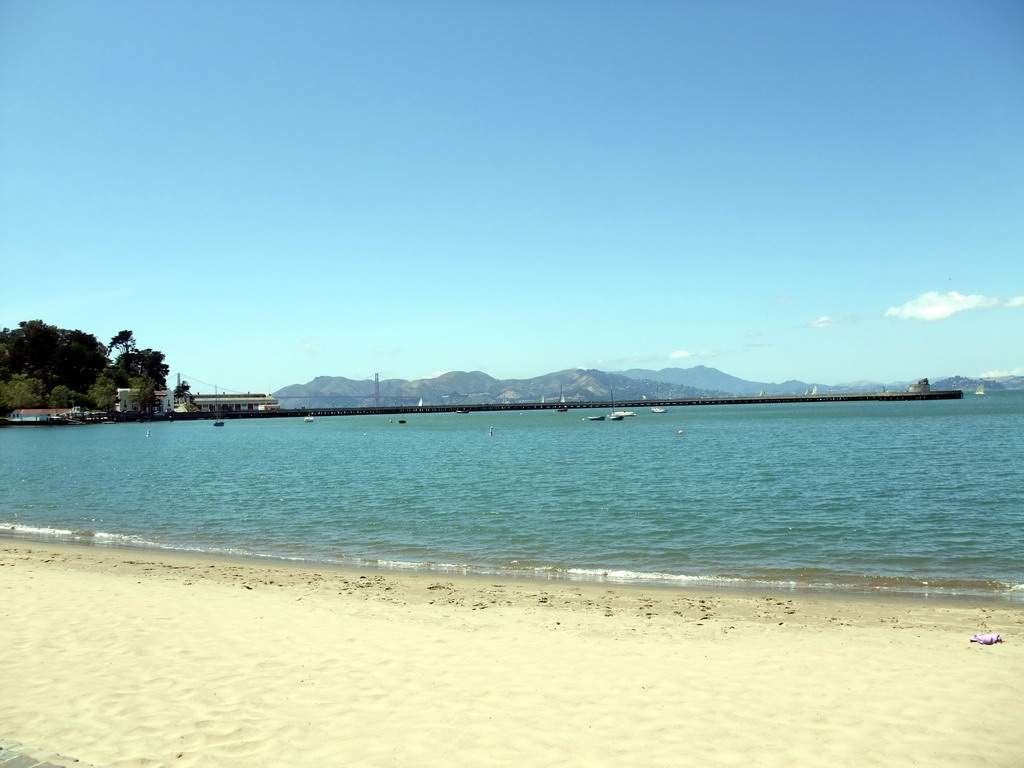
138,658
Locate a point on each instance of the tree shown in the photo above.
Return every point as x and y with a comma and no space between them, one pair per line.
183,391
40,362
63,397
22,391
150,363
122,348
144,392
103,393
134,362
30,350
51,354
123,344
78,360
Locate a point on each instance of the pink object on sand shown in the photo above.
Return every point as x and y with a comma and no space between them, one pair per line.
987,639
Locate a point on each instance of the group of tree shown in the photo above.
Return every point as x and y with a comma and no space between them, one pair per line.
43,366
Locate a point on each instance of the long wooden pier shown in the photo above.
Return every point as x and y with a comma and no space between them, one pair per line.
403,410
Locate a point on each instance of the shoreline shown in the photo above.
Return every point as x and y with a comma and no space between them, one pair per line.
129,658
904,588
942,590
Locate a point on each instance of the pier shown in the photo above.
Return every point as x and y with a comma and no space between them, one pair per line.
405,410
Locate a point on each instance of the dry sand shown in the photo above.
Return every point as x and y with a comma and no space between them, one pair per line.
127,658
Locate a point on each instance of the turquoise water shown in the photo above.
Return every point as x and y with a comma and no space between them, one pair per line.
920,497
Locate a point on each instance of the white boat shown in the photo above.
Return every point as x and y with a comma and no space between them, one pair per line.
981,389
618,415
561,401
308,418
656,409
595,418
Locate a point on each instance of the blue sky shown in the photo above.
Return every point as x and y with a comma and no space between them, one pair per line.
270,191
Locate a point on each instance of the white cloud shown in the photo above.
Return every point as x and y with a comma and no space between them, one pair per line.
1019,371
308,347
682,354
641,359
1016,301
938,306
822,322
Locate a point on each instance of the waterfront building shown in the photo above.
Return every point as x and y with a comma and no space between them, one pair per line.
922,385
128,400
225,402
38,415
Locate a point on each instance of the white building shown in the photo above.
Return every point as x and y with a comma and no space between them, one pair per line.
225,402
38,415
127,400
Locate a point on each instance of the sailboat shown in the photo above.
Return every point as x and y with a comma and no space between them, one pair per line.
981,389
219,419
561,400
619,415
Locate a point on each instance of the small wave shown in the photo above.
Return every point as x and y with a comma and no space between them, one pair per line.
631,577
801,581
33,532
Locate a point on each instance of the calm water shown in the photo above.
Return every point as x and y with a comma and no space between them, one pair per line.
924,497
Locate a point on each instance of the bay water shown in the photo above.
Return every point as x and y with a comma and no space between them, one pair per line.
923,498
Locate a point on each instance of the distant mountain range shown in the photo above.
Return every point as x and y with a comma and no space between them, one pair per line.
577,385
465,388
712,378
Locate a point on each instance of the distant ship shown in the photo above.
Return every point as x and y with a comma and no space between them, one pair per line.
981,389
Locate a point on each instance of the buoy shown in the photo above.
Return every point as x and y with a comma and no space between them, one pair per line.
679,432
